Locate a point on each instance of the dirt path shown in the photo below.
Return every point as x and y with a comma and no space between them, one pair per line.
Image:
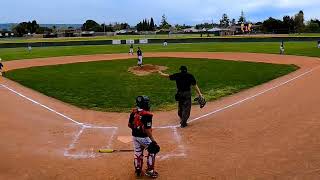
267,132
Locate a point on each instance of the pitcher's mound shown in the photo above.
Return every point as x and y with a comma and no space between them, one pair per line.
146,69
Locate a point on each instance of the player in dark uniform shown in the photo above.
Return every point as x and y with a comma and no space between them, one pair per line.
184,81
319,44
140,122
139,53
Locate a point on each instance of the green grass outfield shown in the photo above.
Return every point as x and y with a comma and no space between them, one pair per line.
292,48
108,86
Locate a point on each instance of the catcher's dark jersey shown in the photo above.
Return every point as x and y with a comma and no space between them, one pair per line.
1,65
139,52
140,120
183,81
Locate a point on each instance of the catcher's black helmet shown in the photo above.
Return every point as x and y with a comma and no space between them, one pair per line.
143,102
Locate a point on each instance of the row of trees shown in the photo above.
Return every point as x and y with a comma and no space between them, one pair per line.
30,27
294,24
146,25
91,25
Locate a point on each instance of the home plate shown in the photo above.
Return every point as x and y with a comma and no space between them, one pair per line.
125,139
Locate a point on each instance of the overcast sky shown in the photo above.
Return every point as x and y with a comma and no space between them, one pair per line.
132,11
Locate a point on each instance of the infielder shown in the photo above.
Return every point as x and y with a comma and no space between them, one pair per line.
29,48
140,122
184,81
1,66
282,48
139,53
165,43
131,49
319,44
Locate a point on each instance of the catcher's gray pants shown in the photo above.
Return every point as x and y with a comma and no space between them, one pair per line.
140,144
184,106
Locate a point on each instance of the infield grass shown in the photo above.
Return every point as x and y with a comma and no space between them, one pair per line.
292,48
108,86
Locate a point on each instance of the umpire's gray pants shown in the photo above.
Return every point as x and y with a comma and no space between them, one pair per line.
184,106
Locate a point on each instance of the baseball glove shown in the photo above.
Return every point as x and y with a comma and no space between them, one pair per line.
201,101
153,148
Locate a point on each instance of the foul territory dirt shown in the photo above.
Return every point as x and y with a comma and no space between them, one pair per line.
270,132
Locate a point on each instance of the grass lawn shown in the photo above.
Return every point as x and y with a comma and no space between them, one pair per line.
292,48
108,86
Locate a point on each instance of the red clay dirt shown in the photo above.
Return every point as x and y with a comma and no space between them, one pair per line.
271,135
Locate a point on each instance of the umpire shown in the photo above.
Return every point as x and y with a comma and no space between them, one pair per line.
184,81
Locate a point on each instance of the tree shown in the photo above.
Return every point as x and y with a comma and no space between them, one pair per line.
242,18
233,22
224,22
272,25
312,27
152,25
288,24
91,25
26,27
299,22
164,23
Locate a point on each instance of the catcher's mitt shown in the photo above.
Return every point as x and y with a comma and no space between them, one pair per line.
201,101
153,148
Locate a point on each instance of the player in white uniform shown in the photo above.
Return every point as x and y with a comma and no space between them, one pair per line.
165,43
131,49
282,48
319,44
29,48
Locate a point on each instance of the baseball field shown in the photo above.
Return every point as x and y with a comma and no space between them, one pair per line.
60,105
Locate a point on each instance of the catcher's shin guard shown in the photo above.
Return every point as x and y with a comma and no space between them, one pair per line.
151,160
138,161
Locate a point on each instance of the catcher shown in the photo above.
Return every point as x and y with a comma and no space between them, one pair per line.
140,122
184,81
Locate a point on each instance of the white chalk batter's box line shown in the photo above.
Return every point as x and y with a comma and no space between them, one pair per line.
93,153
177,137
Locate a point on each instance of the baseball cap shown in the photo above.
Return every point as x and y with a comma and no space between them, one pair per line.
183,69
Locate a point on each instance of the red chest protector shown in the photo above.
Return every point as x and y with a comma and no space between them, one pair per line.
137,123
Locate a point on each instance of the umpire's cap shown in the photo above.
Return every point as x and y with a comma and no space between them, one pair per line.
183,69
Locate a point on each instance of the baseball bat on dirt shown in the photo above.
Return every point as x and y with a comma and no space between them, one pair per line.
114,150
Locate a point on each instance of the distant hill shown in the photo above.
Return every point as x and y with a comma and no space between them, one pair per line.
8,26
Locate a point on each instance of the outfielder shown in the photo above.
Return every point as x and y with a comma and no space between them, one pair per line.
140,122
131,49
29,48
319,44
282,48
165,43
1,66
139,53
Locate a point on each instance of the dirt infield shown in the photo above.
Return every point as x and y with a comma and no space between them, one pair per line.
267,132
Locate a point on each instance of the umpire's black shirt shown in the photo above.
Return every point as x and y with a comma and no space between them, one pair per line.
183,80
